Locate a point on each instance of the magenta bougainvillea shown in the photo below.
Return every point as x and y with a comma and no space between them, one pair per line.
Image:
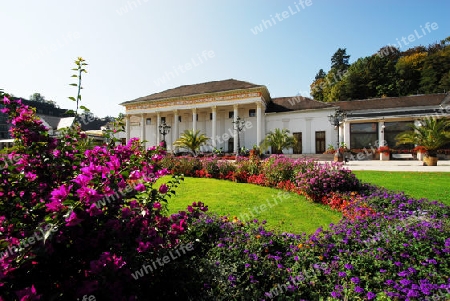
74,220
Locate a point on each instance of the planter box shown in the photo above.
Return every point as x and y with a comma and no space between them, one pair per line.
384,157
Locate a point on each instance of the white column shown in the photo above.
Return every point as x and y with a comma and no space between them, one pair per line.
310,147
347,134
175,125
158,122
381,140
143,129
127,127
194,119
258,123
214,126
236,137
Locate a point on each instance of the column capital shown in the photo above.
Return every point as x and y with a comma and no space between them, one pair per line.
214,108
235,106
258,104
194,110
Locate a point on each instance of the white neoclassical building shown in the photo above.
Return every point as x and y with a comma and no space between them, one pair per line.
212,108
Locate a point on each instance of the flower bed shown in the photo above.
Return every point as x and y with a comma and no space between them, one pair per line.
105,232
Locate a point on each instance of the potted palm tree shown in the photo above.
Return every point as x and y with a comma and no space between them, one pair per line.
430,134
191,140
278,139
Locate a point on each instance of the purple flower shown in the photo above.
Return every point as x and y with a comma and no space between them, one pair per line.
359,289
342,274
348,266
335,294
140,187
73,220
163,188
371,296
355,280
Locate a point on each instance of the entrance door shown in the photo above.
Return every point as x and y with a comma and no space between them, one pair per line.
298,145
320,142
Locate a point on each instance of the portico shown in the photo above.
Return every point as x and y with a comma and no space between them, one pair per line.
212,113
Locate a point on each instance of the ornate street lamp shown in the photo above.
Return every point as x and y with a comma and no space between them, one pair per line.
164,129
336,120
238,126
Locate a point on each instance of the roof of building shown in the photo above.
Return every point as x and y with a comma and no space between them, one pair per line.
393,102
57,123
295,103
196,89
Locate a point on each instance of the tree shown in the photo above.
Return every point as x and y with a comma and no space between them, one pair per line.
191,140
409,68
431,134
339,60
320,74
37,97
278,140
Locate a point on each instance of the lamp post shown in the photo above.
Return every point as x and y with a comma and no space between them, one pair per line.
336,120
238,126
164,129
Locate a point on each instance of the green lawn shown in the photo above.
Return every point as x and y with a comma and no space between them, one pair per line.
430,185
292,214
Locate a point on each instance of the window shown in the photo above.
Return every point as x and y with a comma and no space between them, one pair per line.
320,142
148,121
363,135
163,119
392,129
252,113
179,118
210,116
298,146
231,114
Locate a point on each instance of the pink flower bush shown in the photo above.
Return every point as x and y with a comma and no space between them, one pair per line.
109,217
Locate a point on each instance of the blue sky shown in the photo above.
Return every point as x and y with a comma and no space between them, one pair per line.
131,46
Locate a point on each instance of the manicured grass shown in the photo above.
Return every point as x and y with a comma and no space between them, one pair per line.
292,214
430,185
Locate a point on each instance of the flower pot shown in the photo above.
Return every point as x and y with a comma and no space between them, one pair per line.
420,156
384,156
430,161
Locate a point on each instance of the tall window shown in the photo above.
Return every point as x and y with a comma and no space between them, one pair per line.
363,135
298,145
231,114
163,119
148,121
320,142
252,113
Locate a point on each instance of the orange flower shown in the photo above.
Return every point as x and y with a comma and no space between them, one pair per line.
320,257
300,246
258,236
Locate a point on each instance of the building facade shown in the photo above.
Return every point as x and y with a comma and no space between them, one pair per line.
215,107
